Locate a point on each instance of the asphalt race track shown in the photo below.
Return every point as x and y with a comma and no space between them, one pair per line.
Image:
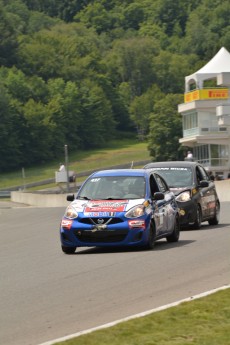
45,294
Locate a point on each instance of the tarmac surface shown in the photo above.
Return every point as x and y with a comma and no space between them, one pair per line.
11,204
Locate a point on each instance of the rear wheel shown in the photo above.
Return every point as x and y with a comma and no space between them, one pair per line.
215,220
197,223
174,237
68,250
151,237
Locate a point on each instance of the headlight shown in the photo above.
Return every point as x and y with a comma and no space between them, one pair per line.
136,212
183,197
70,212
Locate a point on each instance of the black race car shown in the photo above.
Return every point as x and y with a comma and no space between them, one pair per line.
195,191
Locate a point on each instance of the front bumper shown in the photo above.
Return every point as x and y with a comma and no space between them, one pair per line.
101,238
118,232
187,212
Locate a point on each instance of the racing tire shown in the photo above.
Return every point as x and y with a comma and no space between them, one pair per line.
174,236
151,237
215,220
198,221
68,250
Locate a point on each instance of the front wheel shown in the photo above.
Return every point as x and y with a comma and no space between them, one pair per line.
197,223
215,220
151,237
174,236
68,250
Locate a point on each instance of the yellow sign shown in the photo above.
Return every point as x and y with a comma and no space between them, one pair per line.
206,94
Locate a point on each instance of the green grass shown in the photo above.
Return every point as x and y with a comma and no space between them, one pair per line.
205,321
115,153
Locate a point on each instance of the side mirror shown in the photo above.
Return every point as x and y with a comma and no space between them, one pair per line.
70,197
204,184
158,196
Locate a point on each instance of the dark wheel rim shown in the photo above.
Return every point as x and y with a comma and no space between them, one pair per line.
217,212
174,237
151,238
177,228
216,218
197,223
198,216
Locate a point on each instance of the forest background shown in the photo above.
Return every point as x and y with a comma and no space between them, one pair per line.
83,72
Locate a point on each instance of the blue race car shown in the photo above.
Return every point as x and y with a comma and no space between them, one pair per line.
124,207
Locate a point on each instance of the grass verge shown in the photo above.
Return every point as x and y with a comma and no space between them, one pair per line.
115,153
205,321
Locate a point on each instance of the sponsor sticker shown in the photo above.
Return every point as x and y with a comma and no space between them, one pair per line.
99,214
66,223
106,206
170,168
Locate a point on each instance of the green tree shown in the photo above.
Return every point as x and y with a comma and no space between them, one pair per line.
72,114
141,107
8,38
41,127
118,107
170,70
11,133
64,9
134,15
133,61
66,50
98,122
206,27
165,129
38,21
22,87
95,15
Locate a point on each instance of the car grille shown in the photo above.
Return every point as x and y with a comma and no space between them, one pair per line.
103,236
100,220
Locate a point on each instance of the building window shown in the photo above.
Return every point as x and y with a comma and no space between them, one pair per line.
201,153
219,154
211,155
190,121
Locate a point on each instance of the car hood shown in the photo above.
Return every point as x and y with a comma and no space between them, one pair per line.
90,206
179,190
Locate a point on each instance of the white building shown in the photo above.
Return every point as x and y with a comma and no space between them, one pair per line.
206,114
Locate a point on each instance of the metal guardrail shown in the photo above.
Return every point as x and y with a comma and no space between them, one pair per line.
4,194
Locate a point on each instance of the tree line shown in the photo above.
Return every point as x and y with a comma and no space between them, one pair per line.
82,72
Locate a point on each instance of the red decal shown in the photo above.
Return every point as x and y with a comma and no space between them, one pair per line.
106,206
66,223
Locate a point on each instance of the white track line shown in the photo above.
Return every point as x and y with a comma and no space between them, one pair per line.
110,324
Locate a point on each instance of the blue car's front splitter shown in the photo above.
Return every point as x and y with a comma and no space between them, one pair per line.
103,238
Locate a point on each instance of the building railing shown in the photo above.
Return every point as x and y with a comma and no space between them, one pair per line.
203,130
214,162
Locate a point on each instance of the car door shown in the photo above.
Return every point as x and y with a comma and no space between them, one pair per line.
158,205
163,205
205,193
208,193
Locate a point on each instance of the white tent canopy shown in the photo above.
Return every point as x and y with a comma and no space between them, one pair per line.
220,63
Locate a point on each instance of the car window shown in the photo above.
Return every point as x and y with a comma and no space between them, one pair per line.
120,187
203,173
153,185
199,174
136,189
176,176
162,186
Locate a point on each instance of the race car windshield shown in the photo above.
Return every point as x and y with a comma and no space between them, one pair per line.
176,177
113,187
